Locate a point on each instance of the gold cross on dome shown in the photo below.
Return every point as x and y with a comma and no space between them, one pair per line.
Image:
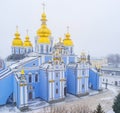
17,28
68,29
27,31
43,4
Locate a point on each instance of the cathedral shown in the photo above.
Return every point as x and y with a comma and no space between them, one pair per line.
48,71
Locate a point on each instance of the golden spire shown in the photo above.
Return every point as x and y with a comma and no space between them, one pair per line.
43,32
22,72
60,40
17,40
67,41
27,42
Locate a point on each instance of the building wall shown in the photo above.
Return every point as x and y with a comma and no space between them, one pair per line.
43,85
93,79
6,88
111,80
71,81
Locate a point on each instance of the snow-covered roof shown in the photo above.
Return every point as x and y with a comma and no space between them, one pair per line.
21,62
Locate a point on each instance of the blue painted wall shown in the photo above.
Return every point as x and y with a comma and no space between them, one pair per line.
32,63
71,59
35,85
6,88
64,59
48,58
43,85
71,81
93,80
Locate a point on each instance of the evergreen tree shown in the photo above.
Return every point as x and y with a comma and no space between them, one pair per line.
99,109
116,105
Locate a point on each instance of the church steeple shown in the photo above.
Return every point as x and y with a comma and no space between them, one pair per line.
27,42
67,41
43,32
17,40
17,43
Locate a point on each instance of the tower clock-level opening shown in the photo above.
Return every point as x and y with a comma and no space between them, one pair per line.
30,95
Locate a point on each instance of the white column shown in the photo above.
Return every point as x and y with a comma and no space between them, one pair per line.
50,85
43,59
78,86
60,89
26,96
85,84
50,91
21,95
53,85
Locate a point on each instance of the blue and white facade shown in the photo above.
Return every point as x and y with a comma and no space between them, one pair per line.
49,73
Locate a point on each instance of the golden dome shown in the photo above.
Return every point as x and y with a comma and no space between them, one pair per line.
17,40
27,42
43,32
44,40
67,41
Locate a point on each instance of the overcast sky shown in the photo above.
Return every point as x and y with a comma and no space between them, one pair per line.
94,24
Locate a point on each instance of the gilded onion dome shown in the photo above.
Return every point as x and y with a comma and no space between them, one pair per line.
27,42
17,40
43,32
67,41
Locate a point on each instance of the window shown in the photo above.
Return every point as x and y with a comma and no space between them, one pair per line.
33,64
83,72
47,48
41,48
30,78
36,77
56,91
71,50
56,75
83,86
56,84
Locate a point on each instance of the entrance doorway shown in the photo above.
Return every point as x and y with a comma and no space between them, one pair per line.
30,95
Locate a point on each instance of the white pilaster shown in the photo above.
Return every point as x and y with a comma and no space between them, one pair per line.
21,95
26,96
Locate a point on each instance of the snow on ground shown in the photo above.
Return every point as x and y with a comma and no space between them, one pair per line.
105,98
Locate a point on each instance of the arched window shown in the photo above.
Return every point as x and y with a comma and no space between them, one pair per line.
71,49
47,49
41,48
36,77
30,78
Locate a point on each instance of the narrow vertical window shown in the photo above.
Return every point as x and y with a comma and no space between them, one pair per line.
41,48
30,78
56,91
36,77
47,48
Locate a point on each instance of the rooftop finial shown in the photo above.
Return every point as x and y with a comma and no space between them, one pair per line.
17,28
68,29
43,4
27,31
